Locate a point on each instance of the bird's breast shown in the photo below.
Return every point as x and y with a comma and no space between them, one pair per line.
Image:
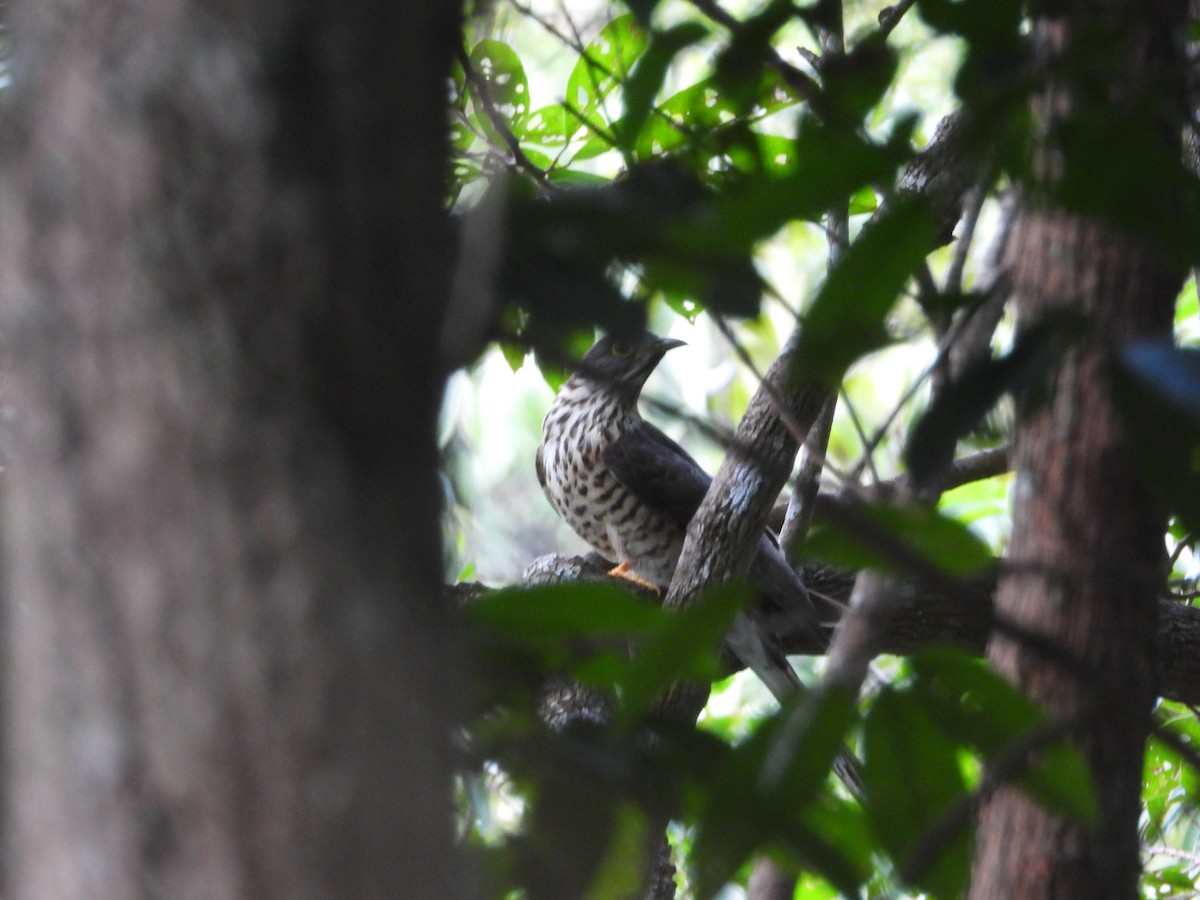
598,507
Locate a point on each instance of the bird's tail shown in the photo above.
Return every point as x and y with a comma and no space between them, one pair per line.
773,669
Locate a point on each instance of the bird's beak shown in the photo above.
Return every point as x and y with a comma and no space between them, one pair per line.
665,344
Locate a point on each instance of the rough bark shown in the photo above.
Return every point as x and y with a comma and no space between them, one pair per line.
222,261
1085,563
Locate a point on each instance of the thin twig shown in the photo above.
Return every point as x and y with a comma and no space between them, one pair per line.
857,423
808,482
962,247
1173,852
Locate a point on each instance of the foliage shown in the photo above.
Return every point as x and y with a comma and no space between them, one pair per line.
678,145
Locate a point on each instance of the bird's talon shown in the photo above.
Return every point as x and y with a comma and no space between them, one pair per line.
623,571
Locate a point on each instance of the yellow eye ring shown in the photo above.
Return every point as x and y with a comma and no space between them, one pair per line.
621,350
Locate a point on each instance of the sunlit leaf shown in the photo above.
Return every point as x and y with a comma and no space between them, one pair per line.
505,88
695,115
848,316
514,354
604,65
547,125
899,538
863,201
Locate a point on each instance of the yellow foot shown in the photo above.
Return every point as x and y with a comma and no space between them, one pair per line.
623,571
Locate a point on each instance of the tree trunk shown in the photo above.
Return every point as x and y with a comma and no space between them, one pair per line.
1086,558
224,261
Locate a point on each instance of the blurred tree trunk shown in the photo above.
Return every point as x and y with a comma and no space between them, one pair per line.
224,263
1086,559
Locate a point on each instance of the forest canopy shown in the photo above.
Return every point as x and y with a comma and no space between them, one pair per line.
847,203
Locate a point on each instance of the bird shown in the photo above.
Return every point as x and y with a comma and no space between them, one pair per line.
630,491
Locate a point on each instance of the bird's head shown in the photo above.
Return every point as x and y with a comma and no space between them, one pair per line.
622,362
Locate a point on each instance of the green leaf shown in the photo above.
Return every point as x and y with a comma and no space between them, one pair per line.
461,136
979,708
777,154
684,645
817,853
854,83
702,111
565,247
913,779
683,305
619,873
598,141
830,165
647,77
994,80
561,851
505,86
846,851
514,354
848,316
984,22
760,795
605,63
898,538
1187,307
557,611
993,32
547,126
694,110
864,201
743,59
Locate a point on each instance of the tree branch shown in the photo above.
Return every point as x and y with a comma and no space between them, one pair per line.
923,615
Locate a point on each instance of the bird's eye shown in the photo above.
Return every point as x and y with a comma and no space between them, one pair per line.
621,350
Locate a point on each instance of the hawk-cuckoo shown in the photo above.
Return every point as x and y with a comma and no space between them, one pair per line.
630,491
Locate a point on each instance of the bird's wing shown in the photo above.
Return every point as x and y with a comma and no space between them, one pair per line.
541,467
664,476
659,472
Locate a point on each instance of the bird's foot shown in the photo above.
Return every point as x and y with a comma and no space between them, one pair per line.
624,572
